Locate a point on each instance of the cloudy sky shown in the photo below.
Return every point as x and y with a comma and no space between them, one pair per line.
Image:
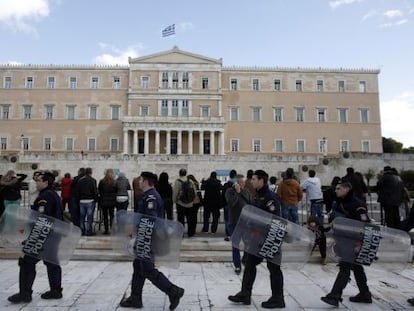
372,34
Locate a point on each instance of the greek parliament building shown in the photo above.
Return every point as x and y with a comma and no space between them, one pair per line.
180,103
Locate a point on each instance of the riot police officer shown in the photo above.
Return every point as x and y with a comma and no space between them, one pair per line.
48,203
152,205
269,201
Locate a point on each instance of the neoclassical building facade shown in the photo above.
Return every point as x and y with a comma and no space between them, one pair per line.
177,102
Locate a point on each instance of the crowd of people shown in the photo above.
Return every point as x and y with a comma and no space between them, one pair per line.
157,196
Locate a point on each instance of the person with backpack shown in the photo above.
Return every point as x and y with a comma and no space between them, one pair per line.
184,192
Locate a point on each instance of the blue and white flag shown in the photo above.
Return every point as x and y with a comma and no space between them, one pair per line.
169,31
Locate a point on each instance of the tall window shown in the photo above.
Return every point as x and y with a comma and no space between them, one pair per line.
186,83
278,145
323,145
175,80
277,84
298,85
116,82
3,143
69,143
341,86
321,114
91,144
233,84
49,112
278,112
145,82
93,112
164,80
94,83
73,84
364,115
256,114
319,85
174,108
27,112
25,143
47,143
29,82
205,111
5,111
204,83
71,112
164,108
255,85
344,145
300,145
51,82
114,144
184,108
256,145
362,86
366,146
7,82
234,113
300,114
234,145
343,115
144,111
115,112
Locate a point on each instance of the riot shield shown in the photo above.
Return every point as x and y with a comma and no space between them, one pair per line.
37,235
148,238
273,238
366,243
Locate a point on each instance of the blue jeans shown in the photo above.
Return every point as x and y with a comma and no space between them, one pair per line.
86,209
235,251
316,209
290,212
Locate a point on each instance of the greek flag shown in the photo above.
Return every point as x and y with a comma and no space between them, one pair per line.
169,31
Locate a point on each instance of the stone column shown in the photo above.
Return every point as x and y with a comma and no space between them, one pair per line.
146,142
168,143
135,142
201,143
190,142
221,143
212,142
157,142
126,147
179,142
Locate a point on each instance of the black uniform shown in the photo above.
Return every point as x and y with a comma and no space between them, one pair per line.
49,203
269,201
353,208
152,205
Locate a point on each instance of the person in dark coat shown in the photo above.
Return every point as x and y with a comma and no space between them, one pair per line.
107,198
164,188
359,188
212,202
74,208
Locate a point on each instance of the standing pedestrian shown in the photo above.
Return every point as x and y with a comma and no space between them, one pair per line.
107,198
312,187
88,195
122,195
152,205
164,188
291,194
212,202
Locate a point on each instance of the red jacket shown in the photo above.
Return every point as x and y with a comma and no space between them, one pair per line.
66,188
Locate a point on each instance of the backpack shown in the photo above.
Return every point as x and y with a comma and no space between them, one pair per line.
186,193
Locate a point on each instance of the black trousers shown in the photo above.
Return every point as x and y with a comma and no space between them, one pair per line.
392,216
249,276
214,211
108,216
189,214
342,279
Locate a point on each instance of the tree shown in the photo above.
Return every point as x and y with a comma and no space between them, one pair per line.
390,145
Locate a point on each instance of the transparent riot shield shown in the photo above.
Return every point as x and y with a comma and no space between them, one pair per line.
366,243
38,235
271,237
148,238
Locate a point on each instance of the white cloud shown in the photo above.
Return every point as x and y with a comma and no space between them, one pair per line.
116,56
370,14
393,13
397,115
337,3
402,21
186,26
397,23
20,14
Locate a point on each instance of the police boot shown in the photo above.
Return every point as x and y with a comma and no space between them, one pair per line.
21,297
274,302
331,300
132,302
174,294
240,297
54,293
362,297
